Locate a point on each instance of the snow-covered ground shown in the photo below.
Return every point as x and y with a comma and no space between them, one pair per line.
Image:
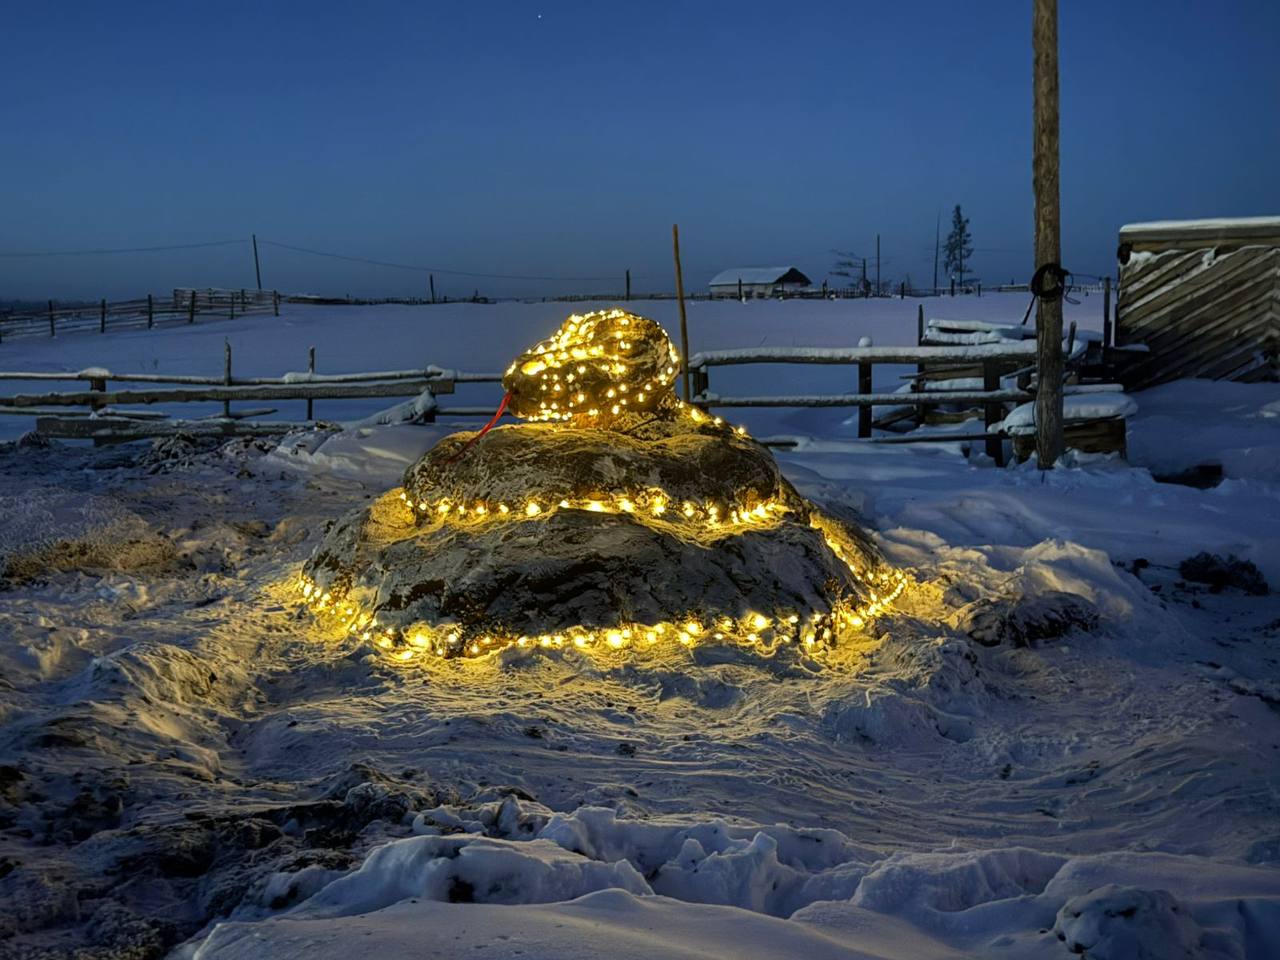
1056,744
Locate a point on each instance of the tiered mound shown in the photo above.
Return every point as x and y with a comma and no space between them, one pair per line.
625,526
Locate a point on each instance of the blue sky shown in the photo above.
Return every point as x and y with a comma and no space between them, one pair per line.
563,138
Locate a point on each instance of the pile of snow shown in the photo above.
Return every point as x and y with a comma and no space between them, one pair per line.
1076,408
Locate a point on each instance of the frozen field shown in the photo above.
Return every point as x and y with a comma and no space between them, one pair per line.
1057,743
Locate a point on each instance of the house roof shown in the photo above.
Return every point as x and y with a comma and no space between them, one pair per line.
769,275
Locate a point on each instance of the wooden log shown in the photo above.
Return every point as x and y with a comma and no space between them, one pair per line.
684,322
992,412
1106,311
922,398
121,429
444,378
966,353
1044,40
293,391
226,375
864,411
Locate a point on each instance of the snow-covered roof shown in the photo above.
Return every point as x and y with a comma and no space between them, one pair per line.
1231,226
768,275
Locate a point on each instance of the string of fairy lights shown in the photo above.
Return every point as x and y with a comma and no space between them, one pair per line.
599,369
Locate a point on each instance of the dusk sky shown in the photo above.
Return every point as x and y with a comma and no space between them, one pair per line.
562,139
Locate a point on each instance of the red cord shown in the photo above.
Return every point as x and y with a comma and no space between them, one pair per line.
485,429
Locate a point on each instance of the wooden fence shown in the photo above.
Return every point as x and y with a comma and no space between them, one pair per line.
103,419
993,358
183,306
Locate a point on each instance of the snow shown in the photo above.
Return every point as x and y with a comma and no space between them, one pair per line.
1208,226
1076,407
749,275
186,764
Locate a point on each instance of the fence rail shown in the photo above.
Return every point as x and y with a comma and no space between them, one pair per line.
991,358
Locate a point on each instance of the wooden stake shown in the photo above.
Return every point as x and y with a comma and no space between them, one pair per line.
257,269
1106,311
151,311
275,301
1044,42
684,323
51,333
864,411
432,278
226,375
992,413
628,285
191,308
102,317
311,368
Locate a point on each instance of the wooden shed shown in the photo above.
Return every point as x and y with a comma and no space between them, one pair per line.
1203,296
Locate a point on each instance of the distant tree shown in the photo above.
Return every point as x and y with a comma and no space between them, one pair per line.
959,245
854,267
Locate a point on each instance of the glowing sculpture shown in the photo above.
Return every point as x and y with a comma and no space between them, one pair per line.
619,517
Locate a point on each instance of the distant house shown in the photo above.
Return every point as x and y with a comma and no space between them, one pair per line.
1202,297
758,281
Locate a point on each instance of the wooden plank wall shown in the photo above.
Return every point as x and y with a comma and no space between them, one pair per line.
1205,304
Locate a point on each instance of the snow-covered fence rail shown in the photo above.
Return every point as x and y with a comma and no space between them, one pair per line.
184,306
107,419
989,356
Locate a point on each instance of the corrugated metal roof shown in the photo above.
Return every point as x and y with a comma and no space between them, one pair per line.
753,275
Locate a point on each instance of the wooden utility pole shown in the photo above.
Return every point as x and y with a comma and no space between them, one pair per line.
937,239
257,269
684,323
877,264
1044,43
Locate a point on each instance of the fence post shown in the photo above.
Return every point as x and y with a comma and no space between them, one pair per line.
1106,311
51,333
919,335
97,385
244,301
431,278
902,290
311,368
226,375
979,288
151,311
864,410
191,310
275,301
953,286
231,304
102,316
700,381
993,413
628,284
